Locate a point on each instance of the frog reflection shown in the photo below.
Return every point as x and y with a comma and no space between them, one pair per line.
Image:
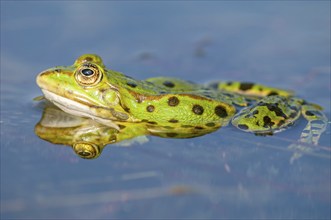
88,137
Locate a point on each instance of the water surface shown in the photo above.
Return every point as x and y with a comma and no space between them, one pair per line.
226,174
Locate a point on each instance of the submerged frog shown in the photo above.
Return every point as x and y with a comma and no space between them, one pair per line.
89,89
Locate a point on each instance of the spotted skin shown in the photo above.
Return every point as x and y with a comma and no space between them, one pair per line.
269,115
108,96
250,89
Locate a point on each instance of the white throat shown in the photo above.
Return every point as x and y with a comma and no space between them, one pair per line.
75,108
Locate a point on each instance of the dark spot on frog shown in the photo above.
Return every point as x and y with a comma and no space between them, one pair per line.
313,113
168,84
198,127
309,113
149,122
229,83
243,126
171,134
274,107
210,124
252,114
197,109
245,86
220,111
150,108
58,70
126,109
173,120
121,126
173,101
268,123
280,123
271,93
132,84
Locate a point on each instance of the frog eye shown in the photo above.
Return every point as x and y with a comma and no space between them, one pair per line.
88,74
86,150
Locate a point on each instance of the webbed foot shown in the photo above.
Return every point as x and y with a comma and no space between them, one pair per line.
317,123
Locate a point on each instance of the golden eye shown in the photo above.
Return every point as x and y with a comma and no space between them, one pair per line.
86,150
88,74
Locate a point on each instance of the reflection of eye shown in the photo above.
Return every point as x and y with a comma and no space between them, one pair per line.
88,74
86,150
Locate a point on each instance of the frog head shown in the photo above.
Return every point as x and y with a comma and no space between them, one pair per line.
84,89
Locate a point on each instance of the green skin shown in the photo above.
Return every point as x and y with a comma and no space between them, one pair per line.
89,89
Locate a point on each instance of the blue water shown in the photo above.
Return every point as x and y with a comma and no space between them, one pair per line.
226,174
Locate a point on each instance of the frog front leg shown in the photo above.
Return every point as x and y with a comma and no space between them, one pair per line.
269,115
317,123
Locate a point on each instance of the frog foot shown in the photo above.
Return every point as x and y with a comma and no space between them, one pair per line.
317,123
269,115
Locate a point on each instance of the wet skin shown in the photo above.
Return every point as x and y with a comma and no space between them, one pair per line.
89,89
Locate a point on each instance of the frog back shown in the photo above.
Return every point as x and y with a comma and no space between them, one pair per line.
178,103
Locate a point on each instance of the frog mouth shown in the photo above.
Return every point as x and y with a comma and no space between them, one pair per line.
76,108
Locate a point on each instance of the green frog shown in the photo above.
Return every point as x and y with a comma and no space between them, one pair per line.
89,89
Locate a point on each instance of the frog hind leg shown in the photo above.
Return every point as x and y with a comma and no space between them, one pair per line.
249,89
316,125
269,115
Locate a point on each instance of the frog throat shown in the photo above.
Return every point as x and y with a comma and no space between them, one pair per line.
76,108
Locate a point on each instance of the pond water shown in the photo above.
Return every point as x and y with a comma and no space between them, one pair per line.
225,174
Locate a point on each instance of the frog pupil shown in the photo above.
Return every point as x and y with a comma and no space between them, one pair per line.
87,72
85,153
